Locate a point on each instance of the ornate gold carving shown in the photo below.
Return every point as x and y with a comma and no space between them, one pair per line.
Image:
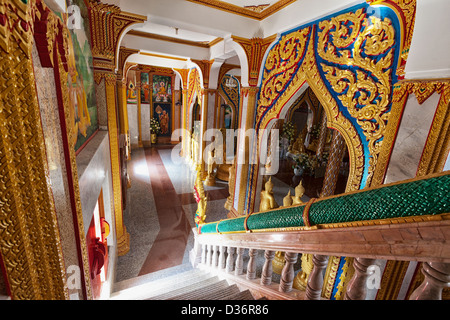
201,198
30,243
330,276
406,12
108,23
392,280
366,99
438,142
346,275
437,145
123,238
255,49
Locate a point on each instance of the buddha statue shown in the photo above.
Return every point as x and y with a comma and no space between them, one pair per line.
210,179
299,144
231,179
299,191
301,279
267,199
287,200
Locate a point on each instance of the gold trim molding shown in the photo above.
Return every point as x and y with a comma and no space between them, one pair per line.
147,35
249,12
437,144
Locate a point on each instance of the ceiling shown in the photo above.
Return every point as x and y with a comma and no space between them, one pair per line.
255,9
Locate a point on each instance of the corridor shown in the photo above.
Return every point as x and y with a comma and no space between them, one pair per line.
160,210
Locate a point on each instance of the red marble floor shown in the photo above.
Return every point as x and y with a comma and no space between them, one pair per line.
170,244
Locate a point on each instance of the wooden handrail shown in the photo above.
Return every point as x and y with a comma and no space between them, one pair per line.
414,241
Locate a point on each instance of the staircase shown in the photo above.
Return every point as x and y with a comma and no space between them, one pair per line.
178,283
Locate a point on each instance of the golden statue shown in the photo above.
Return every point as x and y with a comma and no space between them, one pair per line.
287,200
200,197
278,262
299,144
299,191
267,199
210,179
301,279
231,172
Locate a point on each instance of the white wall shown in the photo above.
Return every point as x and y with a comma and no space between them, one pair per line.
429,53
411,138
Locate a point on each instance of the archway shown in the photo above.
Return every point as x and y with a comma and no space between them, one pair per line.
349,60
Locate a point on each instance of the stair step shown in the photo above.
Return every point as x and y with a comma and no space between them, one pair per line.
176,271
160,286
185,288
242,295
216,291
194,284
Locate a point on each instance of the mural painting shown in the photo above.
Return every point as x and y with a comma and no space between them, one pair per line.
162,89
145,86
131,93
163,112
162,101
84,115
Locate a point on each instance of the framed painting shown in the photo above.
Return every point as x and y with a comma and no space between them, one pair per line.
82,99
162,88
132,97
163,112
145,88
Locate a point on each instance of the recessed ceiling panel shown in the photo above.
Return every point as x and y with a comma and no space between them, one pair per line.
255,9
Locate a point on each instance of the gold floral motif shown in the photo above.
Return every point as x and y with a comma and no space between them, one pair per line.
230,94
194,86
281,65
254,49
364,92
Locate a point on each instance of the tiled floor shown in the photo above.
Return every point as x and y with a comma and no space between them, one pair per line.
160,211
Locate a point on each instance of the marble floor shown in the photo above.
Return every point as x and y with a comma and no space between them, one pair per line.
160,209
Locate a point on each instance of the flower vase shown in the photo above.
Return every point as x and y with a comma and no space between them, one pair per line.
298,171
153,138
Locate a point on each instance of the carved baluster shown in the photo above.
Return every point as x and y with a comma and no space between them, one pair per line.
357,287
230,259
437,277
209,256
315,280
203,254
239,262
221,257
251,266
287,275
215,256
266,276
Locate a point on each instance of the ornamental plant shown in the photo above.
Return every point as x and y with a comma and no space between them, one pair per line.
306,162
289,130
154,126
315,132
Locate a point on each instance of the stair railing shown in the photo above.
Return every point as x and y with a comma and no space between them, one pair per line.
403,221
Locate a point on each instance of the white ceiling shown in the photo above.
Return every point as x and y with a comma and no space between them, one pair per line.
201,23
